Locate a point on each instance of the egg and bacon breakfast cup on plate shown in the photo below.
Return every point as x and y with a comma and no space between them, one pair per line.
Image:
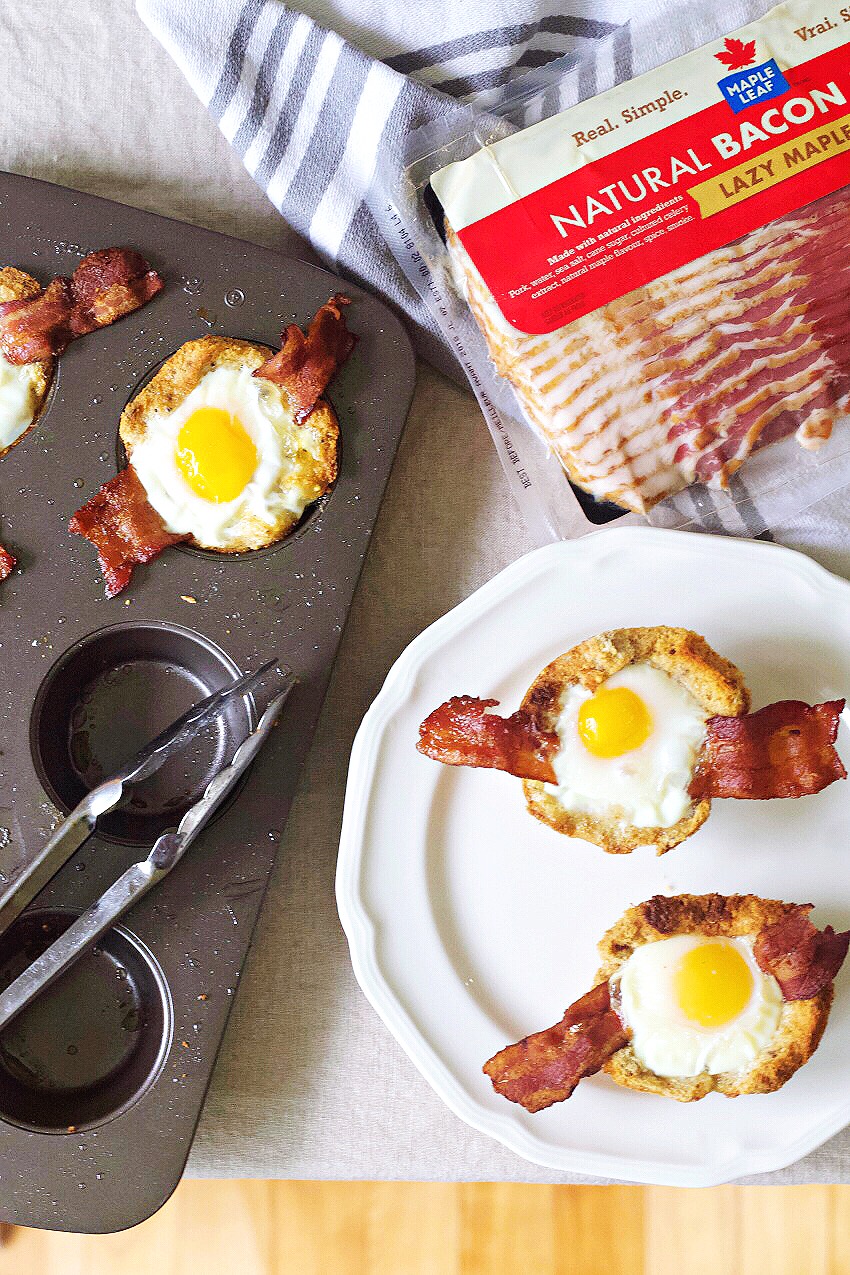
227,445
624,740
696,993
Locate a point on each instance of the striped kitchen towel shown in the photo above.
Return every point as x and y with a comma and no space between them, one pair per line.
317,101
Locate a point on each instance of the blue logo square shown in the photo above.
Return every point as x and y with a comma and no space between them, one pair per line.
753,85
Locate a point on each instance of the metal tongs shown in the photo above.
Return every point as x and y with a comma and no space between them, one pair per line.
165,853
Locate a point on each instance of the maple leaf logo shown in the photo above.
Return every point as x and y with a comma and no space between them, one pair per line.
737,54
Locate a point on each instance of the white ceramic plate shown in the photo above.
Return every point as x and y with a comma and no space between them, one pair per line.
471,924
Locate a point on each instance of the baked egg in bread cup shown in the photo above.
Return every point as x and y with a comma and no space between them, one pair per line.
703,1015
624,740
695,994
23,386
219,452
629,709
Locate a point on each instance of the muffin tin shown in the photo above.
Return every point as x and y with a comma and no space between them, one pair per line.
102,1080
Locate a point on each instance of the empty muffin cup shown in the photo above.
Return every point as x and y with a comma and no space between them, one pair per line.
92,1043
110,695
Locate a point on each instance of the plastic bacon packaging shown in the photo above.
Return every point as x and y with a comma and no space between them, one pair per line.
659,275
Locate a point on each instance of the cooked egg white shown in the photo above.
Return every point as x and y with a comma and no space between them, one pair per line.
628,750
227,454
697,1004
19,399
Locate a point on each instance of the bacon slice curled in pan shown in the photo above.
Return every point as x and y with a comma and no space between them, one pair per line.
305,365
123,527
784,750
545,1068
803,959
109,284
7,563
105,286
462,732
40,327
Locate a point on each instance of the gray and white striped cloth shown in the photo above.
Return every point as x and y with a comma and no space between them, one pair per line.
317,101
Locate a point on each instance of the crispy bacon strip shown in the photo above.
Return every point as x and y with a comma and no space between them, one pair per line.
123,528
462,733
803,959
109,284
784,750
545,1068
105,286
305,365
40,327
7,563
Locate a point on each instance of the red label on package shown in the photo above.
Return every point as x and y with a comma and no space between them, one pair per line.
777,141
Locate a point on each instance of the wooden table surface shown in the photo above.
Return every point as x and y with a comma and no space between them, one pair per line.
386,1228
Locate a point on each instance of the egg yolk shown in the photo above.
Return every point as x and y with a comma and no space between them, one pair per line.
215,454
713,984
613,721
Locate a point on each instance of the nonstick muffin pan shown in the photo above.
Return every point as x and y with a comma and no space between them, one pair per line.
102,1080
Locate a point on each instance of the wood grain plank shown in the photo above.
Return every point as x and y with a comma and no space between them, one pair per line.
318,1227
839,1230
694,1231
785,1230
505,1228
599,1229
344,1228
414,1228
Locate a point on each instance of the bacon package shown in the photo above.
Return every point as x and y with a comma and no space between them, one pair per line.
656,279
